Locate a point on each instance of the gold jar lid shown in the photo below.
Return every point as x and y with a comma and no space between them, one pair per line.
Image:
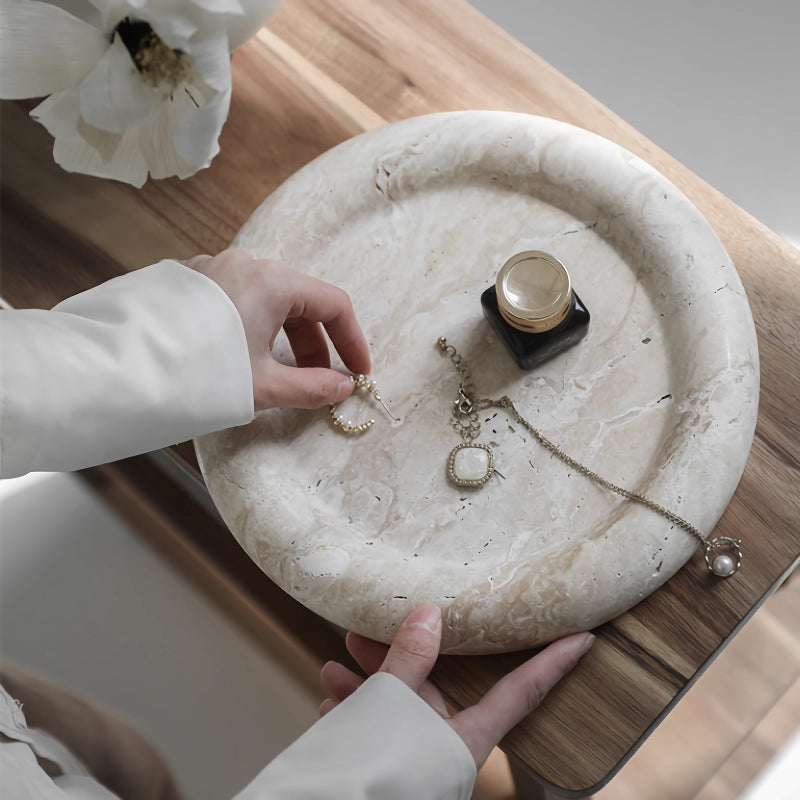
534,292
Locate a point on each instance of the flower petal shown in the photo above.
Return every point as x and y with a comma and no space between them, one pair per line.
211,60
195,131
81,9
113,95
104,142
111,13
155,141
43,49
254,14
127,165
220,6
60,114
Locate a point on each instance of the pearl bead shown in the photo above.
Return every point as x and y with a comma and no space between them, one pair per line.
723,566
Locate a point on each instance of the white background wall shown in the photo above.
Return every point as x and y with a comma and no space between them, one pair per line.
715,83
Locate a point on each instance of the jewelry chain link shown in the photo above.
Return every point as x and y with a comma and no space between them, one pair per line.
468,406
505,402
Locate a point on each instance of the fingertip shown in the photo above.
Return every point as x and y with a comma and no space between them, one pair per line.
578,645
586,645
327,705
326,668
362,363
415,647
282,386
428,616
354,351
358,365
344,389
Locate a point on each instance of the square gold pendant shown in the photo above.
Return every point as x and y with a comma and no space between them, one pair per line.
470,465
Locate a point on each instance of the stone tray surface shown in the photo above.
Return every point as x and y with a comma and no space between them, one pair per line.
414,220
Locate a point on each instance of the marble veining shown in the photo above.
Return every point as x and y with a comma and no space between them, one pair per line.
414,220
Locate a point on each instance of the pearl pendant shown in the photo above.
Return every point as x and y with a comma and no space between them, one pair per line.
723,556
723,566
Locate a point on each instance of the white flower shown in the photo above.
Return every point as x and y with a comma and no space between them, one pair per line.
134,85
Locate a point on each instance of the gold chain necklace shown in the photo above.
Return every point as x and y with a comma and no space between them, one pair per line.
723,554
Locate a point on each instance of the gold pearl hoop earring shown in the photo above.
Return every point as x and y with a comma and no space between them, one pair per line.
348,426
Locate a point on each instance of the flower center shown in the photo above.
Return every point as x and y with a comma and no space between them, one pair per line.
157,64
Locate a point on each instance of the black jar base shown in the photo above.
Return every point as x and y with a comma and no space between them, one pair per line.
530,350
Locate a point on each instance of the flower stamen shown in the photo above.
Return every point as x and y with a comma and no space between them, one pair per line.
158,64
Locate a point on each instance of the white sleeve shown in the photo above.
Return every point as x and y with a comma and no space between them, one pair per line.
383,743
143,361
21,774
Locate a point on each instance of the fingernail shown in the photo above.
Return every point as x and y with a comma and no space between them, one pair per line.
428,617
325,706
586,644
343,390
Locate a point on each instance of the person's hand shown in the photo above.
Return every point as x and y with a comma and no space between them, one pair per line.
411,657
269,296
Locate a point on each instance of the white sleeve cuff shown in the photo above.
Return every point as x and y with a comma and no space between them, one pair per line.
143,361
383,743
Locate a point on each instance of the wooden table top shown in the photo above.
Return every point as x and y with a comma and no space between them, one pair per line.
323,71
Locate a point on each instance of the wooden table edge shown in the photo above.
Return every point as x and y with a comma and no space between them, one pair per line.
532,785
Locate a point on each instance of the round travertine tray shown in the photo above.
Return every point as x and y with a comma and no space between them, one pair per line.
414,220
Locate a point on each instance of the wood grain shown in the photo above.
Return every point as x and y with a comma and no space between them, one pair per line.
323,71
719,738
742,709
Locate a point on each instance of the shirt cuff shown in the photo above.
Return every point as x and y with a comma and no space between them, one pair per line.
382,743
143,361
